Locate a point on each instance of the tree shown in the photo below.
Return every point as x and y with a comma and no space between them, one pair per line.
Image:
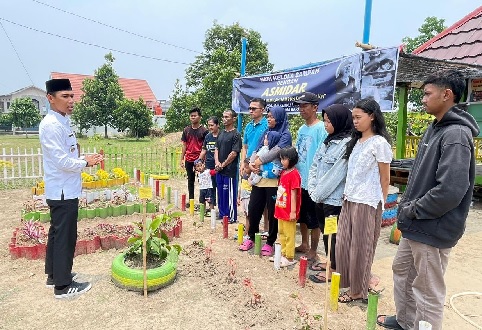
101,95
81,117
429,29
134,116
6,121
209,80
178,115
24,113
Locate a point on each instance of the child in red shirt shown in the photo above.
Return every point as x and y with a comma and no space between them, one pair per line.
287,206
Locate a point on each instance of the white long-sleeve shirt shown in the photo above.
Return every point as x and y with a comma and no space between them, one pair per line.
62,166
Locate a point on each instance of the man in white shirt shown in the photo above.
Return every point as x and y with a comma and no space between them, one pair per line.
62,169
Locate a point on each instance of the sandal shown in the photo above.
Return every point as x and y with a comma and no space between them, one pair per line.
286,263
318,278
267,250
390,322
345,299
247,245
318,266
264,235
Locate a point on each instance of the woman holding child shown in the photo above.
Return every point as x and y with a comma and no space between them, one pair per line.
263,193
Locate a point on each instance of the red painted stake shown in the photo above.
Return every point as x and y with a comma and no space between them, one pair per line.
102,164
225,226
157,187
302,274
183,202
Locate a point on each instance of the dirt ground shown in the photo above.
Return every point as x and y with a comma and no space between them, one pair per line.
210,294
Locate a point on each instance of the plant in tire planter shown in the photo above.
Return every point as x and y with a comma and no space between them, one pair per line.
28,240
162,258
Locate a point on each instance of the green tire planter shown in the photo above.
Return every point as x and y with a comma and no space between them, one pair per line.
44,217
133,279
35,215
116,211
150,207
110,211
90,213
101,212
82,214
123,209
130,209
137,208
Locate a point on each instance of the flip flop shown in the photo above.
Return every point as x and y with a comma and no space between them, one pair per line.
264,235
317,266
316,278
345,299
390,322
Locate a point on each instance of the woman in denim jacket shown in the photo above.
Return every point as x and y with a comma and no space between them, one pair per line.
327,176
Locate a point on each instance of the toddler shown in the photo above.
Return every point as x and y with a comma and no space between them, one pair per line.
205,184
287,206
273,169
245,191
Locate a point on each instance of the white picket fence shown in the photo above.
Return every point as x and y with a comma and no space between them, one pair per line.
25,164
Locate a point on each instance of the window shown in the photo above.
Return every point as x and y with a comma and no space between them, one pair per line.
36,103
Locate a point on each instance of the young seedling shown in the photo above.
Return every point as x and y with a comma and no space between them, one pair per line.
232,270
256,298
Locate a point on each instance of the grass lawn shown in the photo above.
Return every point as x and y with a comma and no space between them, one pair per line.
20,141
151,156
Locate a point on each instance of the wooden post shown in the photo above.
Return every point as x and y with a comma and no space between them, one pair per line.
144,247
327,274
402,121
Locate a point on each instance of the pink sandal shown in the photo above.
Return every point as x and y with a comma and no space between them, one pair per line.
267,250
247,245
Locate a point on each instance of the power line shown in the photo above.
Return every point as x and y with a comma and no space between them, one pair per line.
91,44
18,55
116,28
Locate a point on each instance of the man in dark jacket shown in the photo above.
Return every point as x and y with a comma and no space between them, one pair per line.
434,207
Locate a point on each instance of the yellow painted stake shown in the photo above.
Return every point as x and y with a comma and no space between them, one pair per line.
240,233
163,190
191,207
334,291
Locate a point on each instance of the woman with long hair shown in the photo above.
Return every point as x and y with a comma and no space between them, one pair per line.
369,155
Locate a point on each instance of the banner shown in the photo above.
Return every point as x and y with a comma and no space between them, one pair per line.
345,80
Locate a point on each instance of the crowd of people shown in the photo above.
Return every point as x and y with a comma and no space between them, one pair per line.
339,166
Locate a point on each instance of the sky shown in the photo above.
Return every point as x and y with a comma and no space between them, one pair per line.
297,33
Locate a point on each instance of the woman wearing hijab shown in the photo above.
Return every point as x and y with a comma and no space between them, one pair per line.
263,194
327,177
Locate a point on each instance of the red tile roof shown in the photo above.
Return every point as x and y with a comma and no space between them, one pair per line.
132,88
462,42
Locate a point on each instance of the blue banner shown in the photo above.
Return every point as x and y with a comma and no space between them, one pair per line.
345,81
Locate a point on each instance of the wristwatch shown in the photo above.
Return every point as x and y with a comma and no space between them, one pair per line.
86,162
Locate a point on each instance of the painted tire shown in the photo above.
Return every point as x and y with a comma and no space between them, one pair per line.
133,279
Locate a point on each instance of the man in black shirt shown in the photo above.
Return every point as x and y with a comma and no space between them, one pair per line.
226,157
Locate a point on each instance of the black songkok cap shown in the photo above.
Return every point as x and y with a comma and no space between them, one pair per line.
55,85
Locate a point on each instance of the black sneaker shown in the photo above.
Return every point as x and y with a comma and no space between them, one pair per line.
74,289
50,280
